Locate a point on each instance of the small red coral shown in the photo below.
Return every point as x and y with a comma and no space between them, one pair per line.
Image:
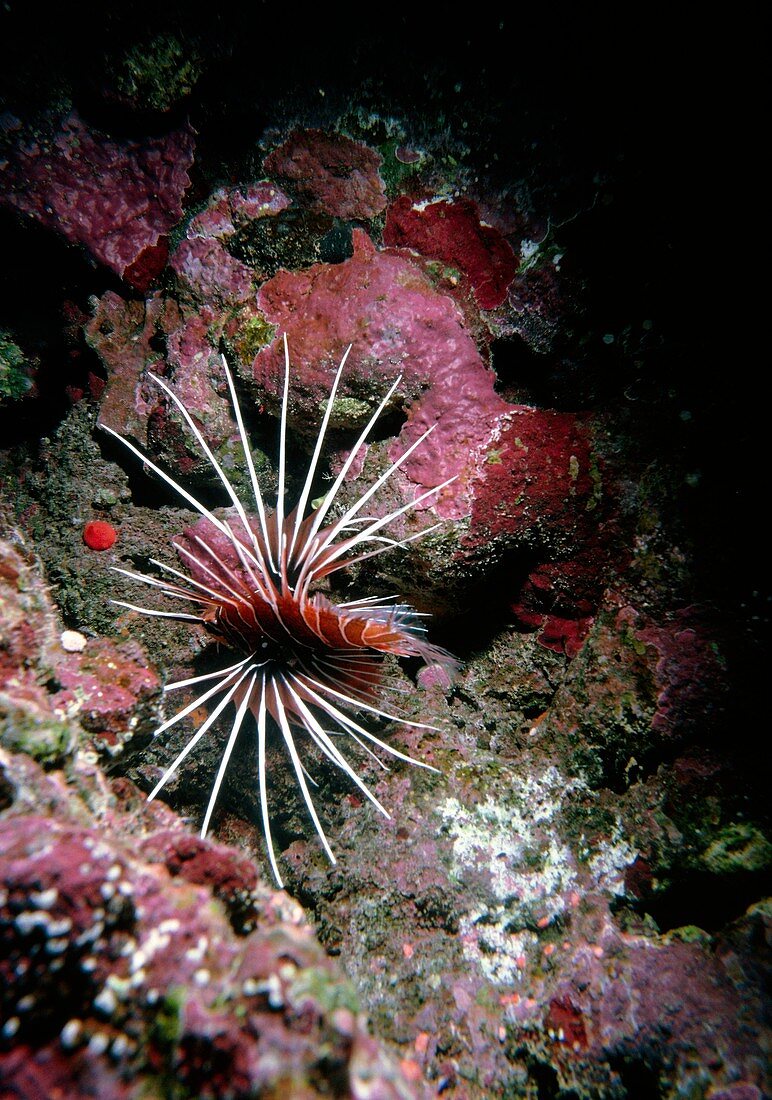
454,233
99,535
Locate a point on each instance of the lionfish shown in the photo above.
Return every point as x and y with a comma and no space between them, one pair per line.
303,660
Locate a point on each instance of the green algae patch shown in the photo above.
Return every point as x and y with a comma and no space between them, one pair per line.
393,170
688,933
158,72
253,335
327,992
348,412
46,740
167,1019
739,847
14,379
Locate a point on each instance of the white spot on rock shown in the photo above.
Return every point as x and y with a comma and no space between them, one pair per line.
72,641
70,1034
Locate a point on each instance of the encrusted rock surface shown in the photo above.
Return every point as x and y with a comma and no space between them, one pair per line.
453,232
117,199
134,955
574,903
332,173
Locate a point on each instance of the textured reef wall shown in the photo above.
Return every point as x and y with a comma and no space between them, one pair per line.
573,904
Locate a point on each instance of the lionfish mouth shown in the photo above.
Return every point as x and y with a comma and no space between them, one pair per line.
304,661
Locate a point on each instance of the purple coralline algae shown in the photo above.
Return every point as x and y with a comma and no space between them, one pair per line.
331,173
118,199
201,261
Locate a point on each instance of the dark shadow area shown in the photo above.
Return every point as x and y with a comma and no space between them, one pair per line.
38,269
706,901
468,625
639,1080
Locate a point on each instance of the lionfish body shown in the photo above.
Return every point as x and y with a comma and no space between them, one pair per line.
305,661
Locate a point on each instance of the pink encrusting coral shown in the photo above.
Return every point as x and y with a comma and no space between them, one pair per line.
28,631
538,466
399,323
122,333
558,598
118,199
527,479
104,685
691,676
519,469
230,209
201,261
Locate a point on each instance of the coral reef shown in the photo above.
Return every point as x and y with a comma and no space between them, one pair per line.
134,955
121,963
575,904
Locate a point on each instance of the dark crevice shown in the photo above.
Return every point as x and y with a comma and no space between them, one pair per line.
707,901
43,323
639,1080
468,627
